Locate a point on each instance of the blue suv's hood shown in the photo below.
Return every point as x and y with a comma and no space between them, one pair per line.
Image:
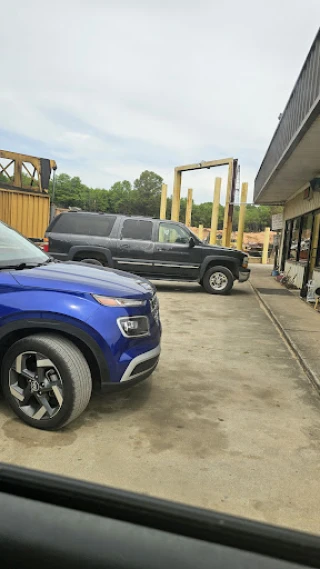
81,278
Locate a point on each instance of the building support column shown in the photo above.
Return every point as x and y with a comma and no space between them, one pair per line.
265,252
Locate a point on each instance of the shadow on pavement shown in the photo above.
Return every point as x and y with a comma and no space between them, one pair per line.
120,403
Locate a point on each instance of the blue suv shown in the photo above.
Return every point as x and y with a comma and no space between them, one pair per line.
66,328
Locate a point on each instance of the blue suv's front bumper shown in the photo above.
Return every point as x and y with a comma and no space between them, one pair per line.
129,360
140,367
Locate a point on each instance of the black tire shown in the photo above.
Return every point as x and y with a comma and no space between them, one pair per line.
92,262
70,371
226,281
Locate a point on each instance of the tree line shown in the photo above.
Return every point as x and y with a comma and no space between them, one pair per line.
142,197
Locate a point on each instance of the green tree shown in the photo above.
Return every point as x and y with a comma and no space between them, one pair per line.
148,188
183,207
257,217
121,198
235,218
169,206
100,200
4,179
201,213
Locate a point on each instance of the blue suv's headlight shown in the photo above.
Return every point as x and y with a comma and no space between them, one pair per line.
118,302
134,326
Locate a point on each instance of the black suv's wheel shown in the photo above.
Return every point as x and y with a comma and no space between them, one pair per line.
218,280
46,380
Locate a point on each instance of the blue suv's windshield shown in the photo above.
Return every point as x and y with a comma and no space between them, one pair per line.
16,250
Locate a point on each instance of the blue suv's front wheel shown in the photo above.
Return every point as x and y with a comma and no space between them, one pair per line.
46,380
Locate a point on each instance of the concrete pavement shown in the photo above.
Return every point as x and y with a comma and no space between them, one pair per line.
296,319
228,421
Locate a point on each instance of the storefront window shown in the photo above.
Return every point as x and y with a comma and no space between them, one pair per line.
287,240
297,240
305,239
294,245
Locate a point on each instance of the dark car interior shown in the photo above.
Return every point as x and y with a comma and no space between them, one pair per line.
50,521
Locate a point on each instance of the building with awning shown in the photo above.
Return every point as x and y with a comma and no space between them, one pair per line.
289,174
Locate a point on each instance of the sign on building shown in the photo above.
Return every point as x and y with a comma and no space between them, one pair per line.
276,222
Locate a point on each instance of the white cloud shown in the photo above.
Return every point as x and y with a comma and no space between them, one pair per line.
149,85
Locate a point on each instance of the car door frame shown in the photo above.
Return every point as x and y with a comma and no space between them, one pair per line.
170,266
75,519
133,262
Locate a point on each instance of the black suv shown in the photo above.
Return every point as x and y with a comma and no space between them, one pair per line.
152,248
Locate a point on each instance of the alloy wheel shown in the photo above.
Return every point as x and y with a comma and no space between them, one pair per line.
36,385
218,281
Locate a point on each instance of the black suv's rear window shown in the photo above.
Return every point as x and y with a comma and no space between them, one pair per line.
81,224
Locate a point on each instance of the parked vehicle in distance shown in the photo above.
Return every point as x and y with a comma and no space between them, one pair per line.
66,328
152,248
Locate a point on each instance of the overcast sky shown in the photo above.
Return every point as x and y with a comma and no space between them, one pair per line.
110,88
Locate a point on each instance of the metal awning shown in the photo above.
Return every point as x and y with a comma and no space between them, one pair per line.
293,156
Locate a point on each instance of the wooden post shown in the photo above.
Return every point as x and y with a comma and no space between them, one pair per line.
242,214
189,208
215,211
226,220
200,233
17,177
163,203
175,209
266,246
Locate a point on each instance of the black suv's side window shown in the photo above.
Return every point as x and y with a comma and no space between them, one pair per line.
173,233
82,224
137,229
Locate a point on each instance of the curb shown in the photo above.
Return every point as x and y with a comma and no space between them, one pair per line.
313,378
